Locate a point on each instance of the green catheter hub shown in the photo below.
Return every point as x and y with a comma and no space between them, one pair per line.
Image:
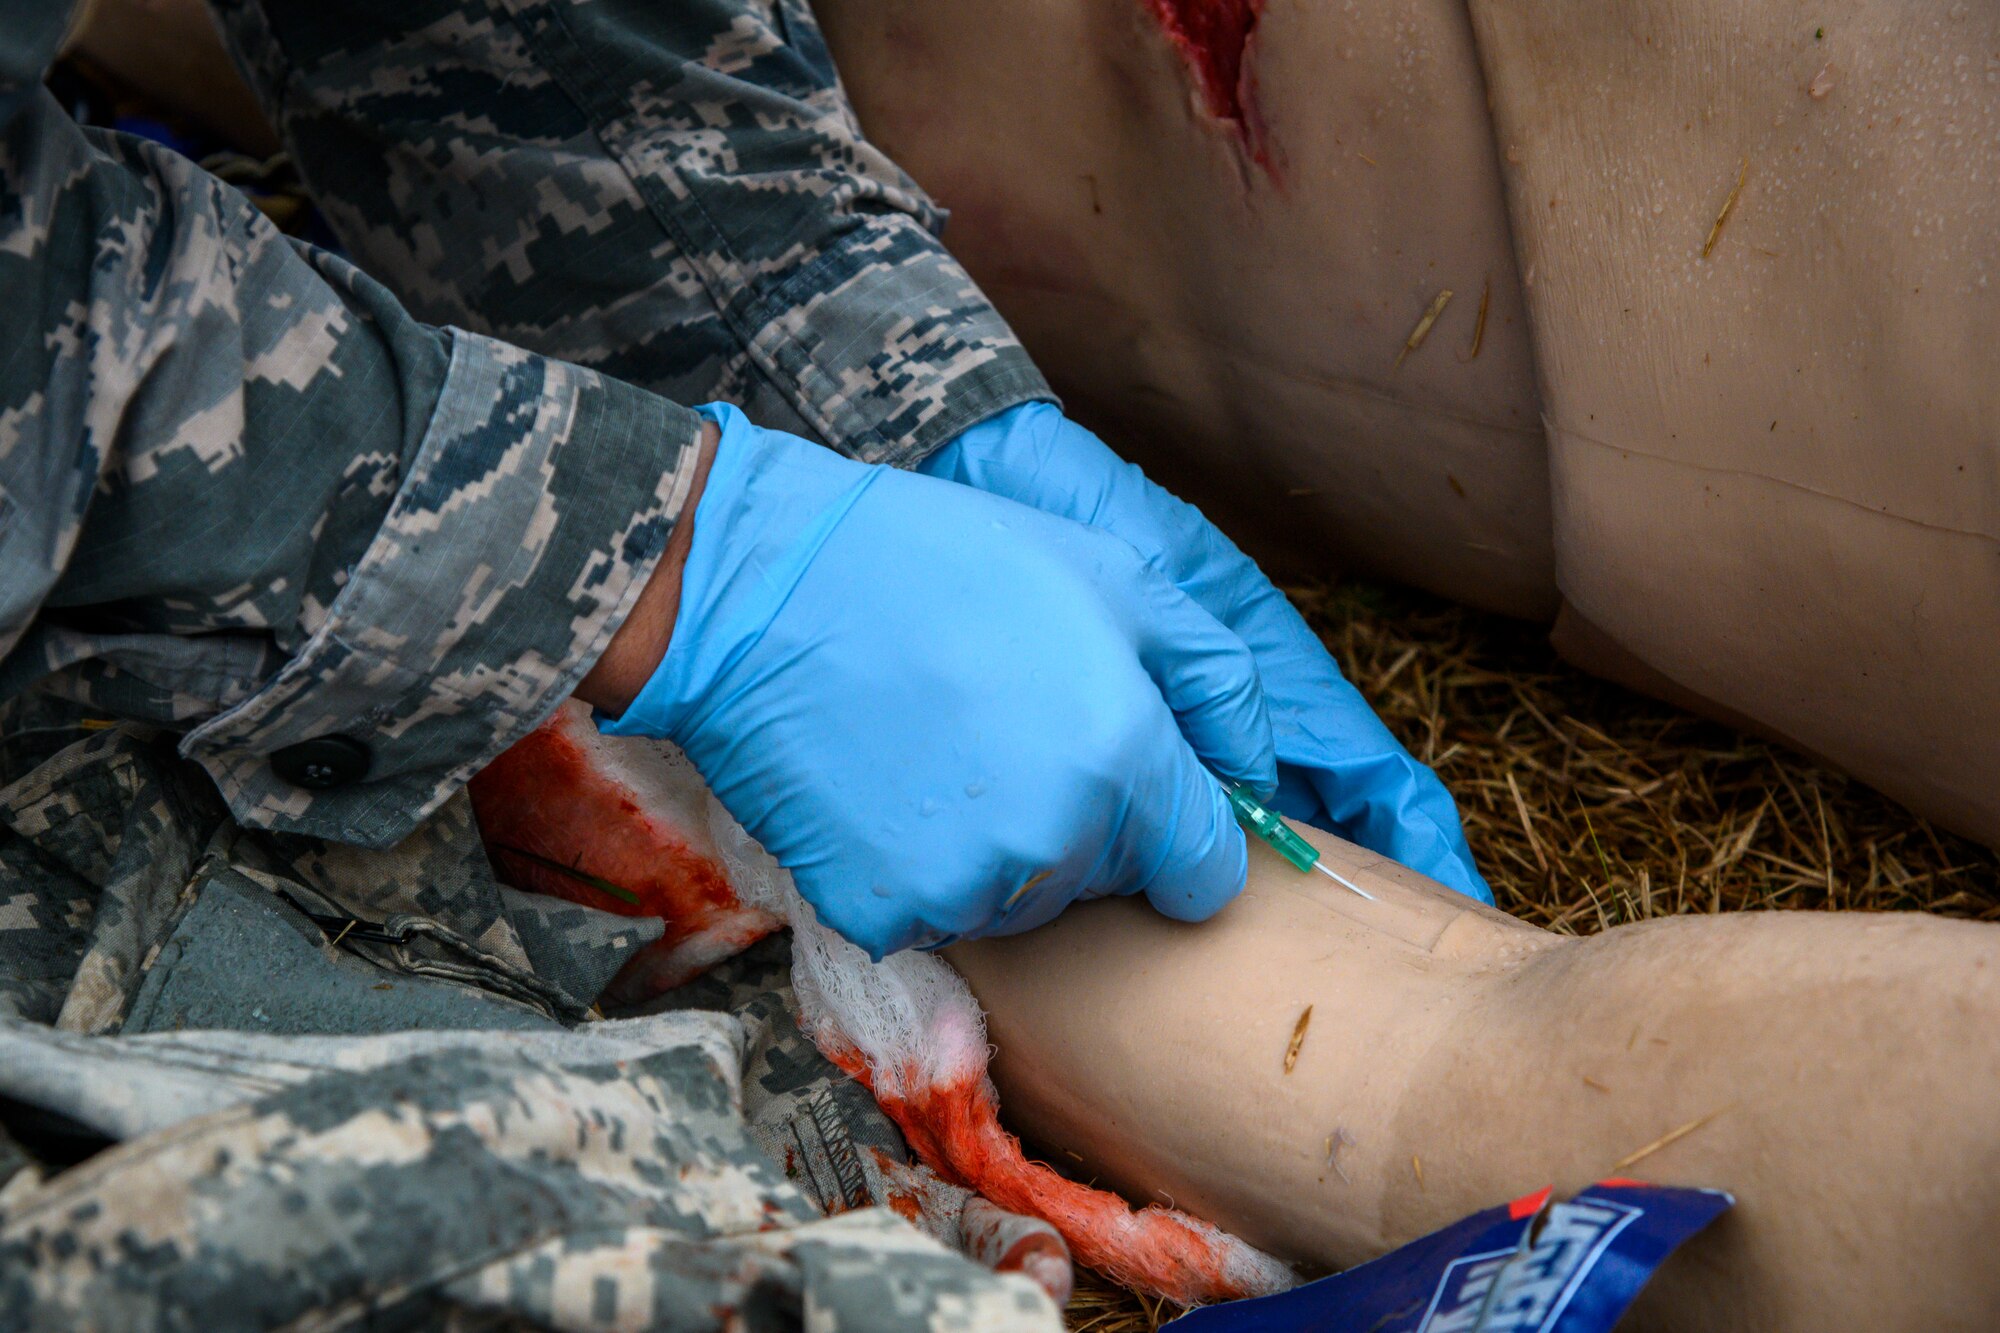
1265,823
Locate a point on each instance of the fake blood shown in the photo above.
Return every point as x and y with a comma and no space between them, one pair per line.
557,798
566,806
954,1127
1213,37
1004,1241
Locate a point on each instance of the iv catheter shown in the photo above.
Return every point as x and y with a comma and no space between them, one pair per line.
1264,822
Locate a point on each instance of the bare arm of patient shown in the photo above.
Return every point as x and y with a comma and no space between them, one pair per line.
1840,1071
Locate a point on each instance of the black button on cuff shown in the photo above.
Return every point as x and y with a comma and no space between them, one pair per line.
322,763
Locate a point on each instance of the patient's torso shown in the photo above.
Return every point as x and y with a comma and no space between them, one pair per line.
1770,474
1239,326
1776,465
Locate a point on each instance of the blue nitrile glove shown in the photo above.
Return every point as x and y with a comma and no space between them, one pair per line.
1338,766
948,714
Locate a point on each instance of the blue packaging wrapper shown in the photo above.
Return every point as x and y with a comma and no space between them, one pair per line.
1530,1266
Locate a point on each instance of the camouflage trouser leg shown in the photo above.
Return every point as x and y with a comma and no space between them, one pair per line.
590,1183
476,1158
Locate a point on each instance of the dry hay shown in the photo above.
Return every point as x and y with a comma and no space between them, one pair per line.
1589,806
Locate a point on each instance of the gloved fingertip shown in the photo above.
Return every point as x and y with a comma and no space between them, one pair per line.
1210,867
1392,804
1233,737
1223,881
1257,770
1209,678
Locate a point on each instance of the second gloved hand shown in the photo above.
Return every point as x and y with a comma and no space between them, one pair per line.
1338,766
946,713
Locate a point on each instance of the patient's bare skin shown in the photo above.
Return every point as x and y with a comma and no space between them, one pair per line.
1237,328
1777,469
1841,1071
1764,481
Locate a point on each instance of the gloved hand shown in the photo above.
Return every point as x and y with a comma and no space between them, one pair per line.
946,713
1338,766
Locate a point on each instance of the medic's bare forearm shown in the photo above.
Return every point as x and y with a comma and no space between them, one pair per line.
641,641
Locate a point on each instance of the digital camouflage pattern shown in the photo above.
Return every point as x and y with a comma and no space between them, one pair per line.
270,1054
345,1087
673,193
834,1142
475,1180
113,844
246,495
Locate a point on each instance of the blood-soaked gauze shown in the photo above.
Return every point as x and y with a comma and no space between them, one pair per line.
627,825
621,826
909,1028
1005,1242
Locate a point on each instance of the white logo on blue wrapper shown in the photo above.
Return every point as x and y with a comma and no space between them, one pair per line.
1508,1291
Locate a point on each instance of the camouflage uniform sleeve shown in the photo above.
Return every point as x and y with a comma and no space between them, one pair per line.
675,193
245,494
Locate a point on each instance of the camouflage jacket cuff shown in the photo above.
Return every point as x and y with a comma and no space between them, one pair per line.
889,348
525,526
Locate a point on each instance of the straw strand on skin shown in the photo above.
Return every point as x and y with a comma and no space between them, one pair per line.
1627,808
